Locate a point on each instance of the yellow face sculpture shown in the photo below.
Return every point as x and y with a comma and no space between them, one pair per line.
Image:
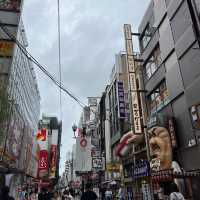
160,146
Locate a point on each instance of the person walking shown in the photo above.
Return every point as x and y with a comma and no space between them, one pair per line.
67,195
5,194
89,194
174,193
43,195
121,193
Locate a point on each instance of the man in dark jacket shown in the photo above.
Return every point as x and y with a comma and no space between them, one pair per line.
89,194
5,194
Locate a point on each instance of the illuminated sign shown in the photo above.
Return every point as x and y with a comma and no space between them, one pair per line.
132,80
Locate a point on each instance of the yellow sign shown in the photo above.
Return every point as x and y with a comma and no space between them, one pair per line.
113,167
6,48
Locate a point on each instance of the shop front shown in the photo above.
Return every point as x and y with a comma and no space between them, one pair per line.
137,180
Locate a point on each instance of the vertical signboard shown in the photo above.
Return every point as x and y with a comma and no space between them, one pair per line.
83,162
132,80
53,154
43,155
121,102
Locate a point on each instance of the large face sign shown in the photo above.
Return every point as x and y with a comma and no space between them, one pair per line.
160,148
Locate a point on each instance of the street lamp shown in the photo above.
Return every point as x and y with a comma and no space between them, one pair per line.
74,128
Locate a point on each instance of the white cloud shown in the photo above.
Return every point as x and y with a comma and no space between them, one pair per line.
92,32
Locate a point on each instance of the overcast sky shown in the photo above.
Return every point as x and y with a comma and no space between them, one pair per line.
91,34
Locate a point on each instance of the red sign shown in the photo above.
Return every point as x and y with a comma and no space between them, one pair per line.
53,160
43,163
42,134
83,142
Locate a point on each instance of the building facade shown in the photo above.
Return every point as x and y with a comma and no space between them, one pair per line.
20,100
169,44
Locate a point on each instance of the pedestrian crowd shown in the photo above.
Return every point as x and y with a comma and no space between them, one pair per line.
45,194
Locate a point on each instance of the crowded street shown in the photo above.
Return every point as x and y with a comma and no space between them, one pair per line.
99,100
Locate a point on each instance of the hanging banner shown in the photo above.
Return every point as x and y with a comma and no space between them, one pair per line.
83,162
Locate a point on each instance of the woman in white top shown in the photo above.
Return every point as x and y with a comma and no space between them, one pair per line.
175,194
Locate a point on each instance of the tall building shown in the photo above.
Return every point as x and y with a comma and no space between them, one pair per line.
118,108
170,49
19,97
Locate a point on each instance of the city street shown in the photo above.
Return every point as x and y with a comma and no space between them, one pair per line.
99,100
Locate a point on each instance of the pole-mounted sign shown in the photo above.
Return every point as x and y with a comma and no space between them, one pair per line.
134,95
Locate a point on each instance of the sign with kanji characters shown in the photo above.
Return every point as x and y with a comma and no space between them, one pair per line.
136,115
121,102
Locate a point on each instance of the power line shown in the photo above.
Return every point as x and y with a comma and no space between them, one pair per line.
59,58
30,57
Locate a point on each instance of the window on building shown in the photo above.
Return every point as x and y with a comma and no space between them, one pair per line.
146,36
158,98
148,33
153,63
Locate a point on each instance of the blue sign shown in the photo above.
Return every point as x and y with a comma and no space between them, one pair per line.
121,102
142,169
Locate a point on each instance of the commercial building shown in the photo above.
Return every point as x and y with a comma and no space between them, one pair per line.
20,100
169,44
49,140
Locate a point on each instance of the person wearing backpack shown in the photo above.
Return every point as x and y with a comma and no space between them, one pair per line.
174,193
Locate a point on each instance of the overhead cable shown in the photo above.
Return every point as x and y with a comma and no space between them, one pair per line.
30,57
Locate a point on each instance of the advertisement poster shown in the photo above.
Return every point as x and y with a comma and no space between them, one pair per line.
43,164
10,5
14,140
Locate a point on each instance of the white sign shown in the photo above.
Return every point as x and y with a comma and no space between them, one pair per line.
132,80
131,63
155,164
127,31
83,161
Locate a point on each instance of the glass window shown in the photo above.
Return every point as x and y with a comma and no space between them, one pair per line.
153,63
158,98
